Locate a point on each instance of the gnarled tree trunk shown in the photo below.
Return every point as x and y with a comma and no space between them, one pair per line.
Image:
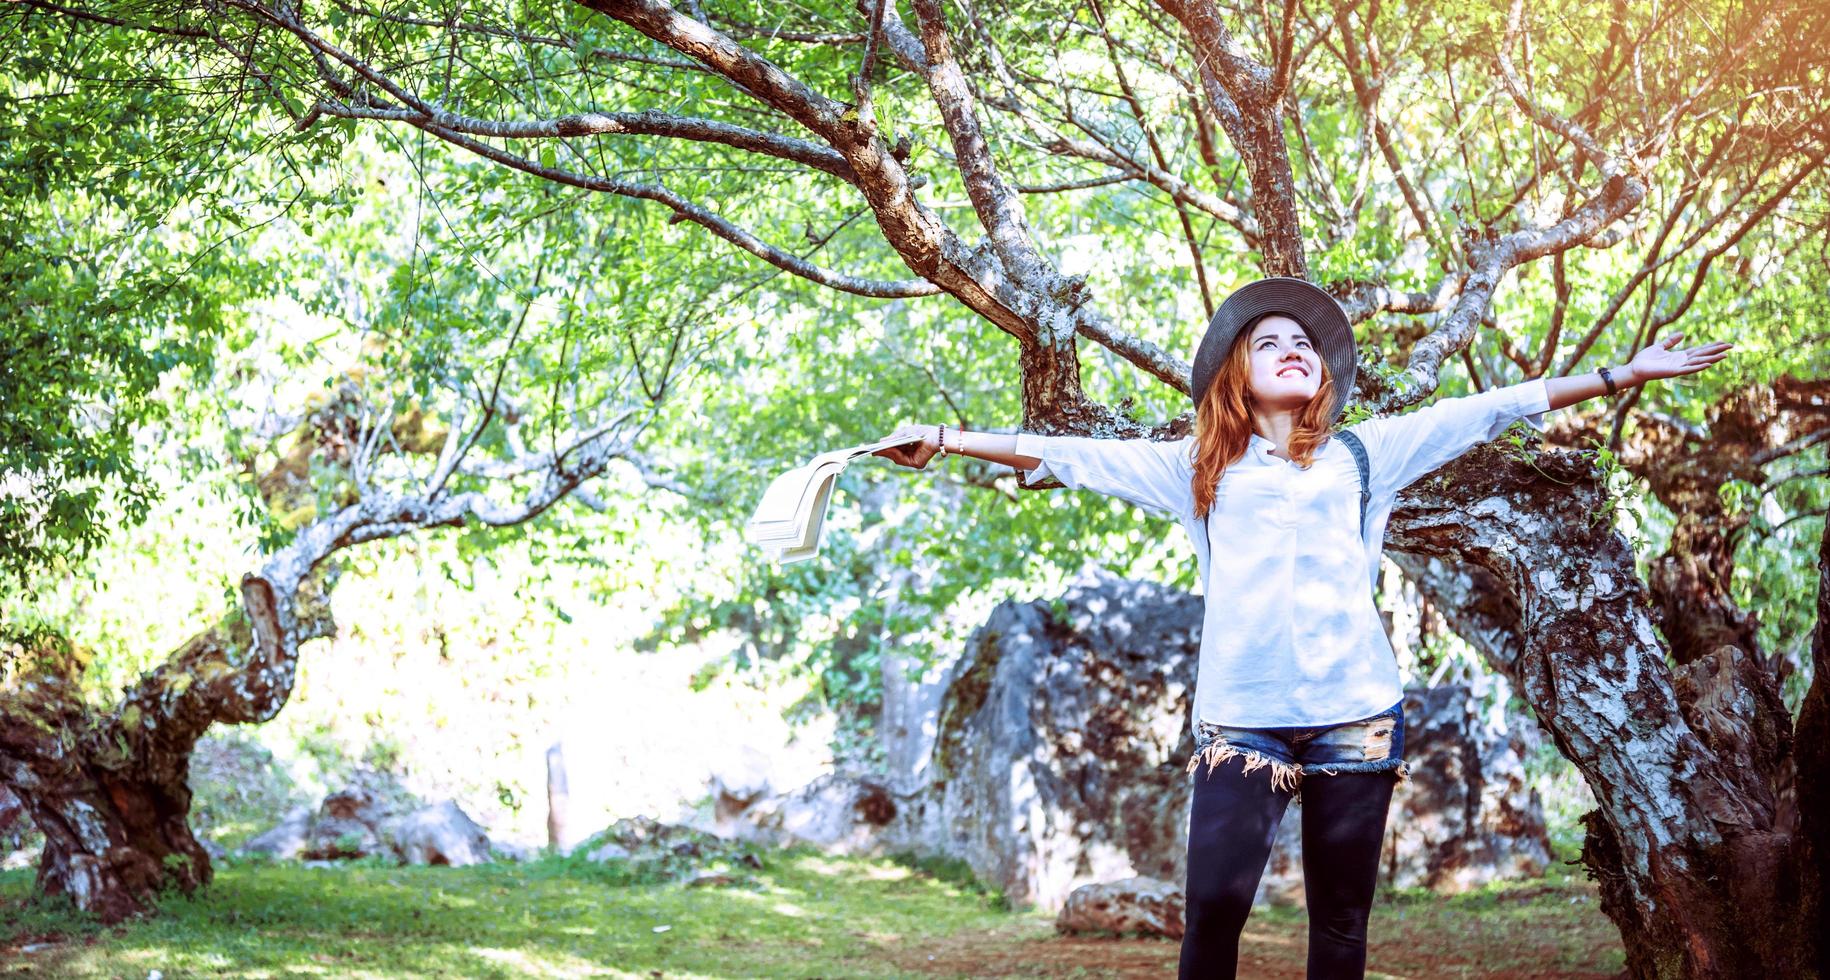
1694,847
113,818
111,793
110,790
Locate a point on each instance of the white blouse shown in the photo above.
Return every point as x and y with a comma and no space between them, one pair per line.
1291,636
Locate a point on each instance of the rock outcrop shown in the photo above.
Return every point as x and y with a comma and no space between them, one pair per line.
284,841
347,825
645,849
1059,762
374,820
440,834
739,780
840,814
1468,815
1062,740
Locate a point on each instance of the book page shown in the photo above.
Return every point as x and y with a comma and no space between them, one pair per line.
791,516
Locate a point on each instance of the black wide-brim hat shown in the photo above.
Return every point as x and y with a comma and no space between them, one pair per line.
1304,302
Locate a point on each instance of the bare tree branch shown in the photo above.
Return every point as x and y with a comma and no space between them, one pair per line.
518,36
1158,363
1362,301
647,123
1156,152
758,76
682,208
96,18
1366,91
1569,129
1178,190
737,29
1285,62
1242,95
998,207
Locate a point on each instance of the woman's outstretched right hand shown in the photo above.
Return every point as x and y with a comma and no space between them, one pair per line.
922,442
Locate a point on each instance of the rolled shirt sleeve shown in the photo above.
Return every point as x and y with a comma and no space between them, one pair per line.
1404,448
1146,472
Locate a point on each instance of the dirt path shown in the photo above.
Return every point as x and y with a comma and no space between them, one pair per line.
1534,934
1262,956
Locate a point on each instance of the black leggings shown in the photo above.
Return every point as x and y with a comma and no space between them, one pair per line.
1230,832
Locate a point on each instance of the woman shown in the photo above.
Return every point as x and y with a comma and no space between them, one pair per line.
1297,689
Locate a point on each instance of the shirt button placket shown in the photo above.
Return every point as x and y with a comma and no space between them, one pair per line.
1286,510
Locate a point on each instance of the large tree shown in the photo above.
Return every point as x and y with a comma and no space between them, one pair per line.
1527,192
440,399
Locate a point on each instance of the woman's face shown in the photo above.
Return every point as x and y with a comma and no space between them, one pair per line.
1286,368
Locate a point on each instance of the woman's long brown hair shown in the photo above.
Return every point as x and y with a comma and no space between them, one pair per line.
1223,421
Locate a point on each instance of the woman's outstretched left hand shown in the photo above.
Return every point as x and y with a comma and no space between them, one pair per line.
1661,361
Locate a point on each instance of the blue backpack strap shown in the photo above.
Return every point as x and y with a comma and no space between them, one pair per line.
1358,449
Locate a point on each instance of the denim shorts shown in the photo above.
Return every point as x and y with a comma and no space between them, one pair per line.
1374,744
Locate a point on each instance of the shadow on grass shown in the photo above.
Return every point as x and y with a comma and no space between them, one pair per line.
956,872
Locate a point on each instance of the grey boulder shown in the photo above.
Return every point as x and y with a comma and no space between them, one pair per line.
1142,905
440,834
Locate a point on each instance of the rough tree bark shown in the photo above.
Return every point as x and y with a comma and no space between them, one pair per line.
1727,688
112,794
110,790
1695,851
1813,740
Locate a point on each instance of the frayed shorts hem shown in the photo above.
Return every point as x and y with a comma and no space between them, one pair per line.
1284,775
1288,775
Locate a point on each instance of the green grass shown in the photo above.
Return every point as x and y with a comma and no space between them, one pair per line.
1549,927
803,914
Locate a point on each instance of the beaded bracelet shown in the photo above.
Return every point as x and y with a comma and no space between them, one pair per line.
942,439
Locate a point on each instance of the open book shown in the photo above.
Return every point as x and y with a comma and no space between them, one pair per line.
792,515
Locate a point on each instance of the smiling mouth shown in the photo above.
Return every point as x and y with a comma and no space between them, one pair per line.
1298,370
